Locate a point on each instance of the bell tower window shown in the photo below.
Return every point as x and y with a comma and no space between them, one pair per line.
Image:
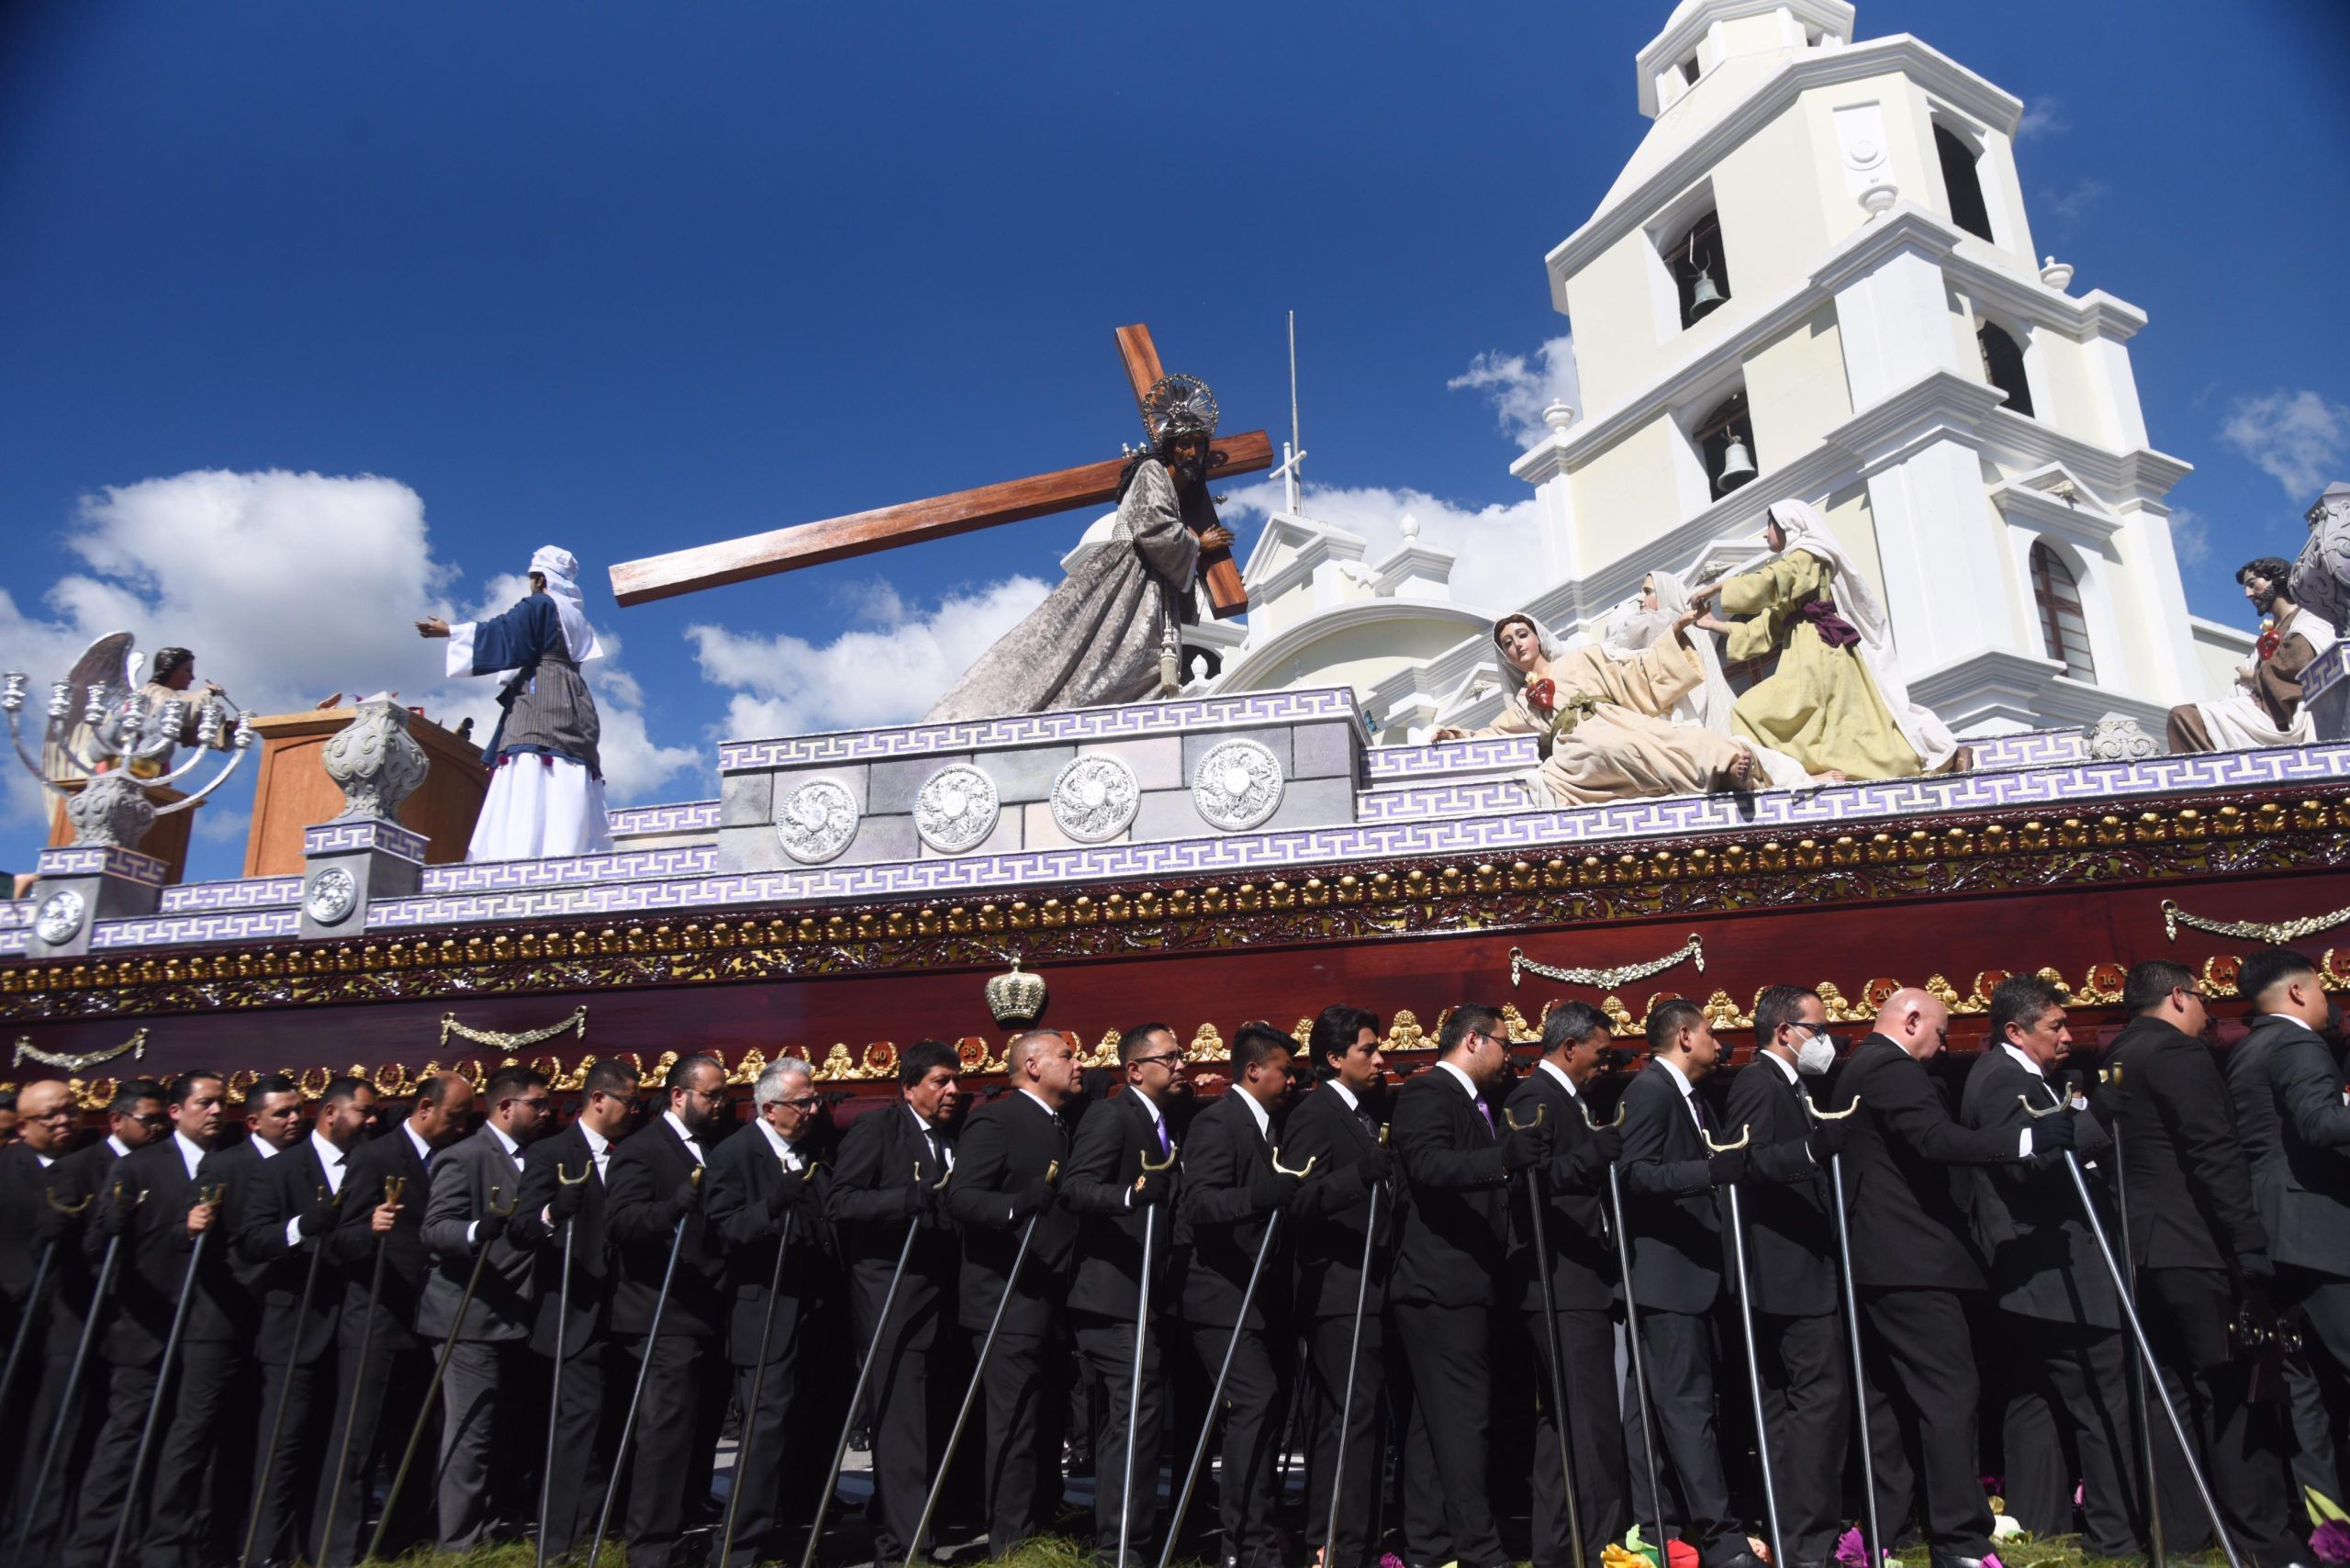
1964,185
1699,269
1725,442
2003,366
2064,626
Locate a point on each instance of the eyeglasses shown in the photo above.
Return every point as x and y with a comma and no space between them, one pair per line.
1501,1040
151,1119
805,1102
1162,1059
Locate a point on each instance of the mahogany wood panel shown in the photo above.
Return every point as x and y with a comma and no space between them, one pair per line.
909,522
294,792
1227,595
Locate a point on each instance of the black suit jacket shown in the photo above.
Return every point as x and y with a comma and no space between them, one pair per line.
28,1225
2043,1261
1006,1145
1104,1161
352,1247
2188,1180
1229,1193
566,1154
1909,1223
157,1248
1328,1217
882,1156
2296,1131
1669,1203
85,1174
288,1188
646,1171
744,1176
1790,1223
1453,1233
1574,1214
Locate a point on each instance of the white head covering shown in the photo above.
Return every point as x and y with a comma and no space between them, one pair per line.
1856,602
560,567
1708,707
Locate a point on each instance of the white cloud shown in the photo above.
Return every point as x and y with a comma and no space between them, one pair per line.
289,588
1498,546
2042,116
887,671
1519,388
2077,201
2298,438
2190,536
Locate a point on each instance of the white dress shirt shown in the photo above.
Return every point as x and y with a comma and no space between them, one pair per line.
781,1144
1555,1070
1688,1090
513,1152
191,1153
676,1126
1264,1117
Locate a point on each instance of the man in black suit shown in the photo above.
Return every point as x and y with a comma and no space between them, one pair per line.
1791,1266
160,1232
764,1185
135,1119
1915,1266
284,1229
1106,1184
2296,1133
1233,1186
377,1394
2202,1254
1675,1222
1445,1293
1583,1286
1004,1167
2063,1358
659,1206
563,1217
1337,1127
886,1188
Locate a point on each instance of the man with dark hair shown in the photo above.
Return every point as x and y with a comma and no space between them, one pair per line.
159,1231
1583,1287
2265,708
2059,1319
376,1396
485,1391
658,1211
1106,1184
1674,1222
285,1222
2202,1257
2295,1134
1917,1270
1232,1186
1445,1292
893,1161
1004,1178
1791,1265
565,1216
1337,1127
766,1193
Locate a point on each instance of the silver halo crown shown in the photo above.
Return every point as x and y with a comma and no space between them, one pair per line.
1178,406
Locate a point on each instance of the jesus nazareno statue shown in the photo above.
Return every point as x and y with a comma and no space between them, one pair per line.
1104,634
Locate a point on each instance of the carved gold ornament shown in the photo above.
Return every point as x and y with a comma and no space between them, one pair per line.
1609,980
27,1051
575,1026
2272,931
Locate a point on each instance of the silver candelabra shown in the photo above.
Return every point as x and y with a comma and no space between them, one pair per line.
118,726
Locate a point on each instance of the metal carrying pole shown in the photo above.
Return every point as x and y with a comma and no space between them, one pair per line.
1354,1358
2138,1333
1871,1540
1753,1359
285,1390
2144,1413
554,1378
33,1302
393,1187
205,1197
1142,1332
108,1267
1536,1200
1632,1334
758,1374
643,1369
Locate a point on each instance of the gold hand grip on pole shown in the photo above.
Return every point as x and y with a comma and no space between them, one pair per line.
1510,1117
1745,1137
1285,1170
1593,1122
69,1210
563,1177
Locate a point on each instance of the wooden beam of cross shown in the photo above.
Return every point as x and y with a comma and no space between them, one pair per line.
941,516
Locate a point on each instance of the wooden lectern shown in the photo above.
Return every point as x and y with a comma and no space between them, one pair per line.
294,792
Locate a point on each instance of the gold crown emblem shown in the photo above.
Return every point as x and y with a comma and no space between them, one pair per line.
1016,997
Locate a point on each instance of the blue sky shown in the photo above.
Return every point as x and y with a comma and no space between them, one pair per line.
632,278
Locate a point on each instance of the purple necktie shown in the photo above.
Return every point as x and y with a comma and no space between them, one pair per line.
1487,1112
1162,1126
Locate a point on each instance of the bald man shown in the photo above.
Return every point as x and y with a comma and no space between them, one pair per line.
28,1227
1918,1271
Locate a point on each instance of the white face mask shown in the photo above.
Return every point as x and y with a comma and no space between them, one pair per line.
1815,1056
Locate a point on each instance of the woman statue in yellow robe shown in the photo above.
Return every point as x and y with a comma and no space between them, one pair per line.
1837,702
1601,720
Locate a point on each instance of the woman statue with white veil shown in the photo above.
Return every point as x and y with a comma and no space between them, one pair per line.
546,796
1601,719
1635,626
1837,703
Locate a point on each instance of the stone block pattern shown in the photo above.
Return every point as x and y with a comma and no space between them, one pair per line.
101,860
621,865
1478,797
187,930
2033,748
1388,765
249,893
2331,668
345,838
679,816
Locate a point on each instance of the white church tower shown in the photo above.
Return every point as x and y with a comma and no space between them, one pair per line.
1815,279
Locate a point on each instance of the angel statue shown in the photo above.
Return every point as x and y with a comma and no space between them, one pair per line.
1108,634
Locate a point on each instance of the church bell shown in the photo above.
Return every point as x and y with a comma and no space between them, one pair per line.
1704,295
1738,466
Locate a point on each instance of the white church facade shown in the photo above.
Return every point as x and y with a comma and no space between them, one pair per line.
1815,279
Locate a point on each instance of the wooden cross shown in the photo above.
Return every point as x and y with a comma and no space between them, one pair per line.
940,517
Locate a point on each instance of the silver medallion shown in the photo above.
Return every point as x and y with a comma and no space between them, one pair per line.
956,809
59,916
1095,799
817,821
334,892
1239,785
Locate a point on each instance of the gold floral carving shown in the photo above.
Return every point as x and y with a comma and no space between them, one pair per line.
27,1051
2272,931
576,1026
